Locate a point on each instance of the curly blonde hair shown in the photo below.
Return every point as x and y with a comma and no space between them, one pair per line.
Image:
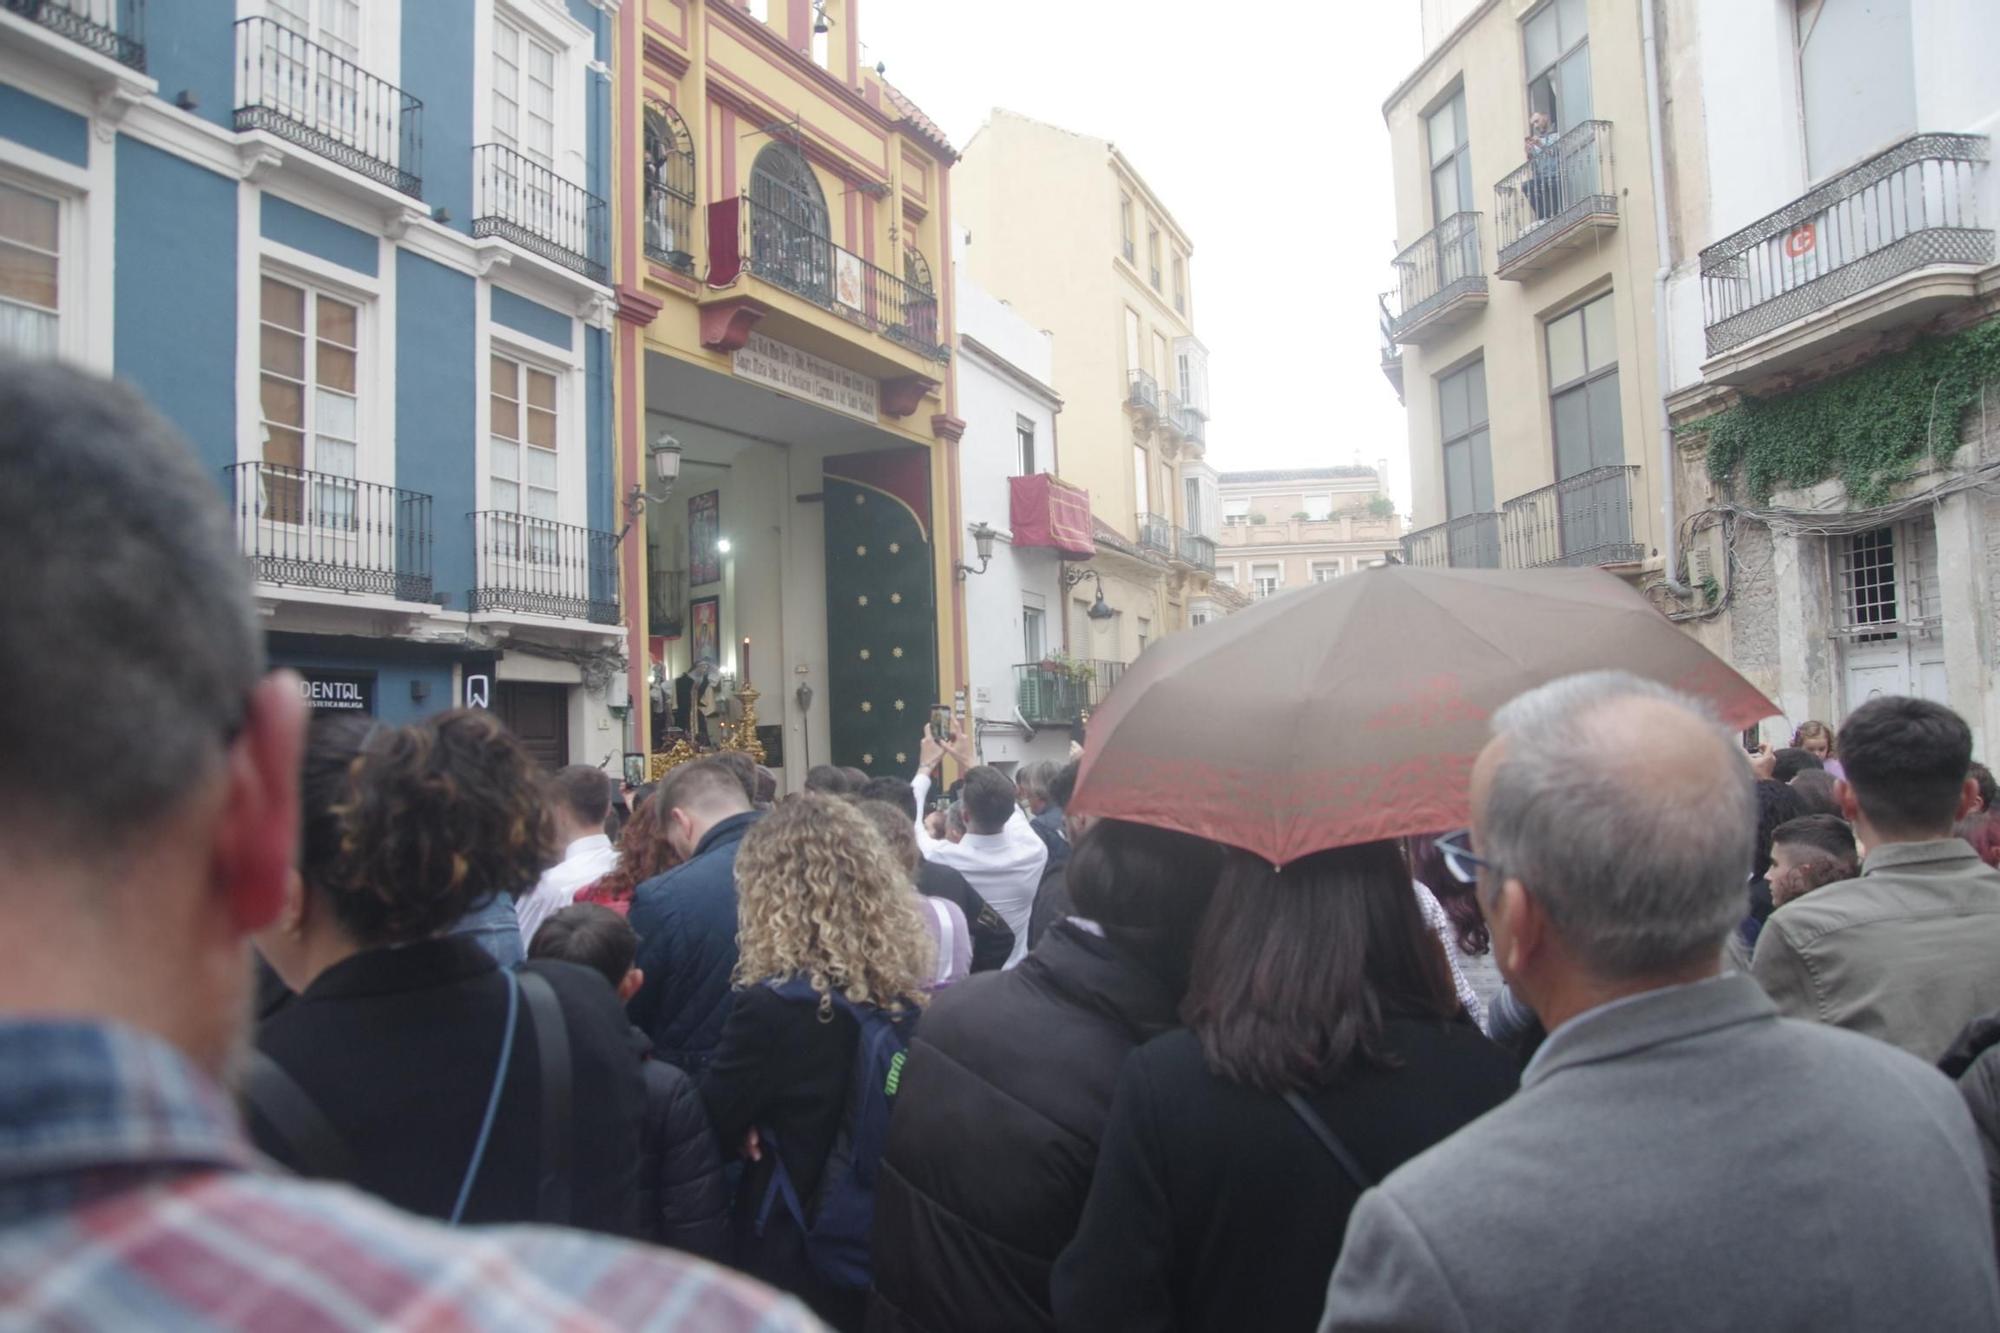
821,896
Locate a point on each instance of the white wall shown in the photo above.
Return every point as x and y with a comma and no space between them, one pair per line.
989,399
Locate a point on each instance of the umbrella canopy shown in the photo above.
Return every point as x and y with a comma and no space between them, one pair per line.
1354,710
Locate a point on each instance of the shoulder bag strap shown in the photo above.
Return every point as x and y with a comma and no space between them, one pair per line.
552,1045
1330,1141
282,1104
492,1097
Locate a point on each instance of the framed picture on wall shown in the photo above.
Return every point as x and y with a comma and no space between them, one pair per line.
704,532
705,625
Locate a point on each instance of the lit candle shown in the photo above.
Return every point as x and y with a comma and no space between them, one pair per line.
743,661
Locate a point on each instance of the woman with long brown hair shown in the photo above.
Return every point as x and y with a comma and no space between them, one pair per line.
643,852
1324,1047
828,939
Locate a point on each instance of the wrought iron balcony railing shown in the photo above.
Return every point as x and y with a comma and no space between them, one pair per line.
1142,391
1192,548
520,200
1173,413
1581,520
1194,427
1442,266
1908,208
544,568
1156,534
670,221
1470,541
299,90
317,530
1057,692
780,249
115,28
1555,189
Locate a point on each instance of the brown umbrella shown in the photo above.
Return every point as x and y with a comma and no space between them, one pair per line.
1354,710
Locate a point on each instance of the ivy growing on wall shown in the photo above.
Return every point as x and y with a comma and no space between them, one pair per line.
1869,427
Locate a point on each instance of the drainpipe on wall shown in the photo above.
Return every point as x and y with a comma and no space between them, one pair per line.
1663,349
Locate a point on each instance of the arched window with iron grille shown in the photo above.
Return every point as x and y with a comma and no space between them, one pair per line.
920,306
669,187
791,238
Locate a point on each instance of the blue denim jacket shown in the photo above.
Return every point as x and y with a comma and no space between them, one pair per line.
496,929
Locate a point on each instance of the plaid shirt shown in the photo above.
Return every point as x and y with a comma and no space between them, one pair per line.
130,1199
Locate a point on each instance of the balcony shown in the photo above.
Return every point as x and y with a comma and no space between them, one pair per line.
1581,520
785,253
1173,415
1559,201
543,568
114,28
1470,541
1142,392
670,219
1892,241
1194,429
522,201
1440,281
1046,512
1392,355
1195,550
317,530
1156,534
301,91
1058,692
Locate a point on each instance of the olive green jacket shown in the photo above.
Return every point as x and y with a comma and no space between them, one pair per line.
1909,952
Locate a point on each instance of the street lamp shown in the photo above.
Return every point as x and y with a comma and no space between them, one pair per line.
666,454
982,541
1098,610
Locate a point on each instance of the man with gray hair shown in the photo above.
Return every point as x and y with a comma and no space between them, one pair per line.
149,809
1678,1156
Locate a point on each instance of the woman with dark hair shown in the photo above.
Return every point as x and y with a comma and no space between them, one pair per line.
411,1064
1009,1082
1324,1048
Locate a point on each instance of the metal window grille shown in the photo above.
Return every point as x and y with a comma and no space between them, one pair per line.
1886,580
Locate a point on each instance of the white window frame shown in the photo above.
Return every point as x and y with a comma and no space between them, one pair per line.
575,48
1326,571
375,359
1025,450
1142,479
572,467
379,50
1225,573
70,244
1315,510
1276,583
1034,646
1235,513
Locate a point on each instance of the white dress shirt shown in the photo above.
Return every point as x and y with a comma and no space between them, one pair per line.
1005,868
584,862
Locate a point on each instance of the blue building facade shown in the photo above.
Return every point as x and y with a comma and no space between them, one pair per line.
357,250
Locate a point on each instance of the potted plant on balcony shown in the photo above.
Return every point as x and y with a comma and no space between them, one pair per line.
1382,507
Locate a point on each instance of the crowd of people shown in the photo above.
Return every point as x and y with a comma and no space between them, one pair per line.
1708,1041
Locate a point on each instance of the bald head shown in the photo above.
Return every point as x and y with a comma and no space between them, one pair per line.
1622,808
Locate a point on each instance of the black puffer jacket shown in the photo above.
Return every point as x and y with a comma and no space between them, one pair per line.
1974,1060
683,1198
1003,1101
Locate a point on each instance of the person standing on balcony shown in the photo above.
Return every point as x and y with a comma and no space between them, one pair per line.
1544,188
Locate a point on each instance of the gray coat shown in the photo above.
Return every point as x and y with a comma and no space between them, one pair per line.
1685,1159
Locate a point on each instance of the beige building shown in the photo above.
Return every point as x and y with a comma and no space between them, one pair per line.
1521,317
1108,272
1290,528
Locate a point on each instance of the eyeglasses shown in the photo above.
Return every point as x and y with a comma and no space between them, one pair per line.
1459,858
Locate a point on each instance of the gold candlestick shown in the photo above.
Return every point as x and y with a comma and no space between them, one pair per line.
743,736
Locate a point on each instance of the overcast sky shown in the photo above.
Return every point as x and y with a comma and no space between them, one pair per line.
1261,129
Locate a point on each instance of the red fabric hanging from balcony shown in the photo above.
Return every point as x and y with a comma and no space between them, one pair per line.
1047,512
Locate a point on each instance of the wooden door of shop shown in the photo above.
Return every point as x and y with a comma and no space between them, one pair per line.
538,715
